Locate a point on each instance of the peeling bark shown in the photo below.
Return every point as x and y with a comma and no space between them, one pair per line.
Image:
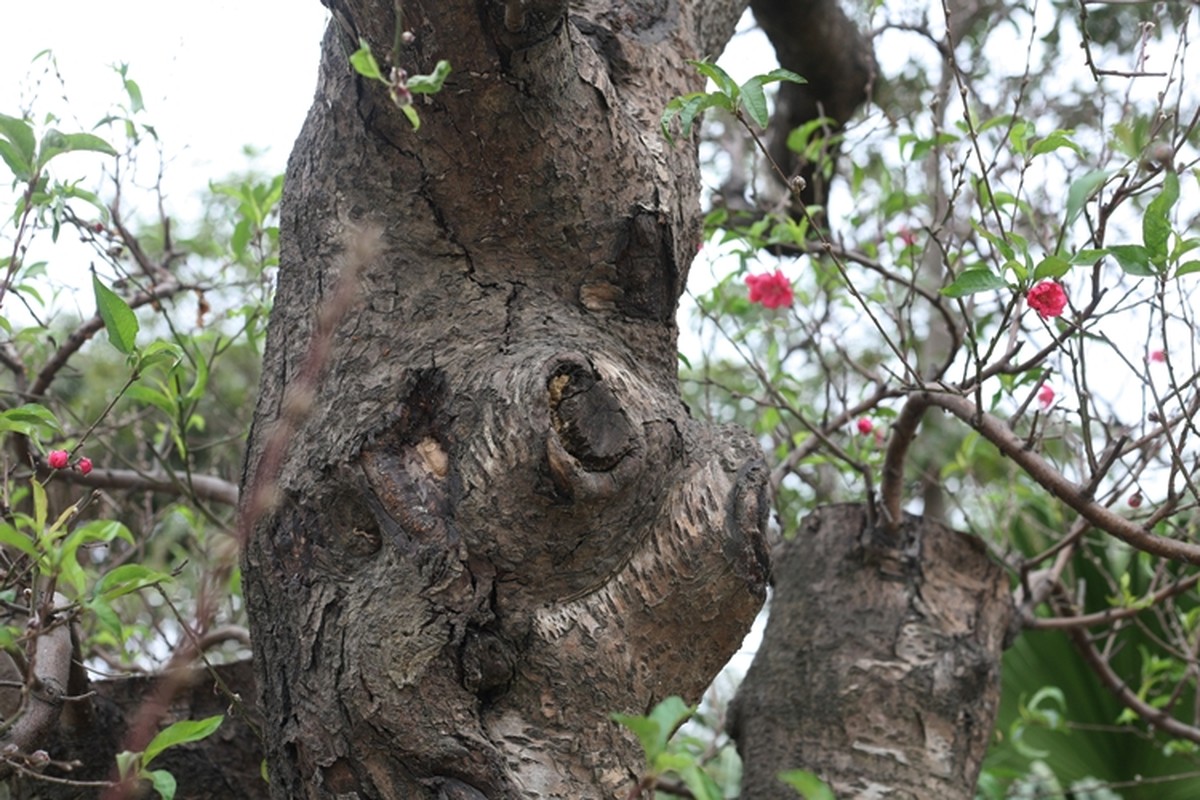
498,524
879,668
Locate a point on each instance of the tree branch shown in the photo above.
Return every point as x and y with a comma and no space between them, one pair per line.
1157,717
45,692
203,487
1016,448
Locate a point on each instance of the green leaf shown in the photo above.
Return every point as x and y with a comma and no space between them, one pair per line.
972,281
14,538
1187,269
126,763
687,108
182,732
807,784
996,122
241,237
106,617
996,241
135,95
647,732
119,320
128,578
754,100
201,383
159,354
1051,267
69,574
672,762
148,395
163,783
9,634
95,530
39,506
1088,256
1156,224
1055,141
431,83
30,419
701,783
781,74
725,84
922,147
654,731
17,146
1081,191
364,62
55,143
1133,259
414,118
671,713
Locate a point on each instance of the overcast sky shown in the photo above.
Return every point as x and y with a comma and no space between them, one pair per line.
215,76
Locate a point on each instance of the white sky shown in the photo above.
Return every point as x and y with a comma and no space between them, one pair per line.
215,76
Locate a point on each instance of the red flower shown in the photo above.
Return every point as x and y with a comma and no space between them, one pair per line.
1048,299
864,426
773,291
58,459
1045,396
907,237
1157,357
84,465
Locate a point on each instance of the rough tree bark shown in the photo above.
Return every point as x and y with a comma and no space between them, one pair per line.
497,524
879,668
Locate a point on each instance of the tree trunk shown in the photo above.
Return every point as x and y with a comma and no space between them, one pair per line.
879,668
496,523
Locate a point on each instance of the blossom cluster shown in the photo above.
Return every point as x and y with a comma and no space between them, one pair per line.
1047,298
773,290
61,459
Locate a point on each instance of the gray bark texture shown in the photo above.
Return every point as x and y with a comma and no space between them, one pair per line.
497,523
879,668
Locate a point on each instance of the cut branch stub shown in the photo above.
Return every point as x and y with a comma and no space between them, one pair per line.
879,667
591,432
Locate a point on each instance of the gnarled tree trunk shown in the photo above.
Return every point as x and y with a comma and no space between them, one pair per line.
497,523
